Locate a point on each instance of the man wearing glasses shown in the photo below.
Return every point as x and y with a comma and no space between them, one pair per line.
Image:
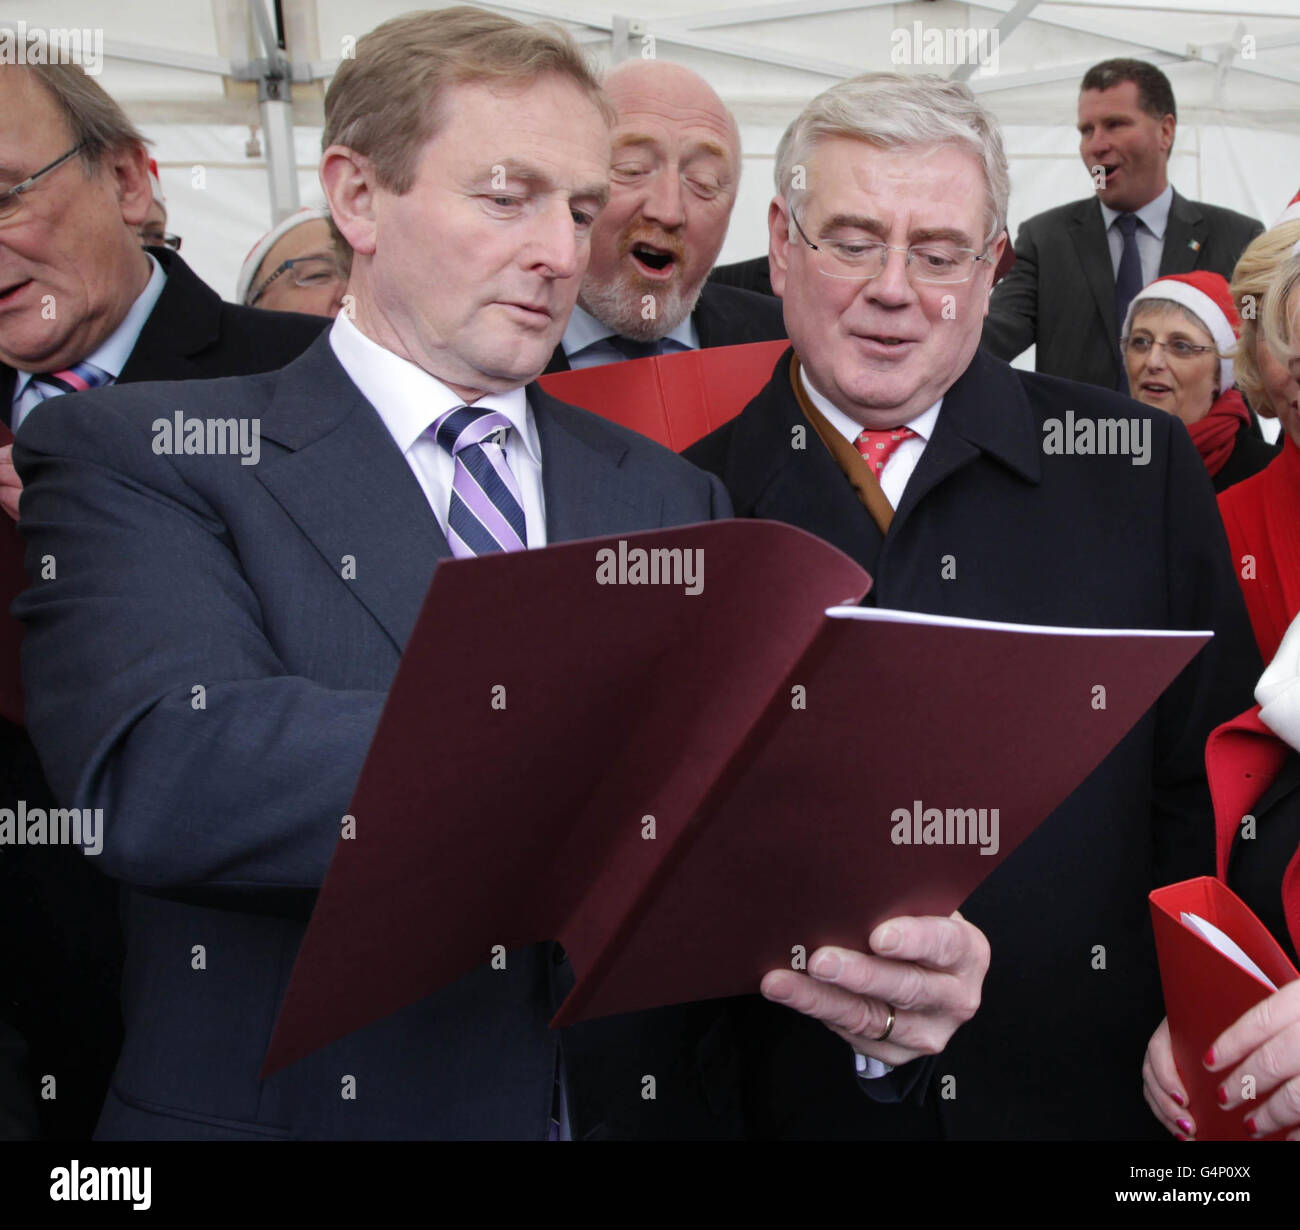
83,306
886,431
80,304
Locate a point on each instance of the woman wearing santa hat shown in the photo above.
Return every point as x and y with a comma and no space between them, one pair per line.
1178,340
295,267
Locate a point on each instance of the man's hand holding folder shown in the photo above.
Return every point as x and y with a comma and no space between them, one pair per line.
746,822
904,999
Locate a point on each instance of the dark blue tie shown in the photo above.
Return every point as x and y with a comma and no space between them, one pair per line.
631,349
1128,280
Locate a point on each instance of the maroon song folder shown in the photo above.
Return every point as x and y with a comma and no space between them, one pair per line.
674,399
13,580
688,770
1206,989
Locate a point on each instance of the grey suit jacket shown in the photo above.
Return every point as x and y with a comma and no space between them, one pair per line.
203,670
1060,293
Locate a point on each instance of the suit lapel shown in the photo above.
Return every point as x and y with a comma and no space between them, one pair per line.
1186,226
1088,234
559,361
985,412
708,317
586,491
775,472
349,490
185,321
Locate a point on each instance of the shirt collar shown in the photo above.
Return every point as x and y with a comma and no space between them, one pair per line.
585,330
115,350
408,399
1154,214
923,424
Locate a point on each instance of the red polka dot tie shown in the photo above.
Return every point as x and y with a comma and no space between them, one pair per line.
877,447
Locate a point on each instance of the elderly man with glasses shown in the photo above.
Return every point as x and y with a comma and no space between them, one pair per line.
83,306
886,431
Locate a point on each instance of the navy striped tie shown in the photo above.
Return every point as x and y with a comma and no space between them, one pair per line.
486,513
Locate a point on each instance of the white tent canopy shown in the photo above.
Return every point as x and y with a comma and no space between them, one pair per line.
187,72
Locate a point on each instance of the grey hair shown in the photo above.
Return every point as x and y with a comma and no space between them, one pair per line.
1145,307
1279,306
892,111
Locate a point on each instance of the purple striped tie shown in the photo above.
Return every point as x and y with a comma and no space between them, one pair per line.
75,379
486,513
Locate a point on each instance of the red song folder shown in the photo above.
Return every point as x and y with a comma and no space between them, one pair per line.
674,399
1206,990
13,580
688,770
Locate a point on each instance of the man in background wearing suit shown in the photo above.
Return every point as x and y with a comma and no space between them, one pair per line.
752,274
466,159
1078,266
926,460
676,168
81,305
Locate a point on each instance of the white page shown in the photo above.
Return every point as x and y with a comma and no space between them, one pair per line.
1226,945
873,614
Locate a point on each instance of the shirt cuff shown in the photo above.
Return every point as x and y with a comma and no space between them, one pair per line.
869,1068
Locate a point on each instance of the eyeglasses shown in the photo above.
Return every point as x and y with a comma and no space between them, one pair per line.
861,260
306,271
11,199
1176,349
159,239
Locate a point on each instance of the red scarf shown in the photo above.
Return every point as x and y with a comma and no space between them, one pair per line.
1216,434
1262,519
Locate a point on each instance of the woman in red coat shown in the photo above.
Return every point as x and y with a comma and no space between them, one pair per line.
1253,764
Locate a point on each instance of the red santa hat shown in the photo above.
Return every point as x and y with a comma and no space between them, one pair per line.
1207,297
1291,213
155,183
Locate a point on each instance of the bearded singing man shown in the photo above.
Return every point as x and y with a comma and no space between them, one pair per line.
676,166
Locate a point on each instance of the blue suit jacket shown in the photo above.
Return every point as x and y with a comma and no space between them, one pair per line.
179,571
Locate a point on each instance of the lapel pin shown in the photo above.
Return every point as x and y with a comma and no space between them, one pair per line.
1194,244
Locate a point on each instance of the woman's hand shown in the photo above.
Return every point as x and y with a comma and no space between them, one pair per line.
1259,1057
1164,1091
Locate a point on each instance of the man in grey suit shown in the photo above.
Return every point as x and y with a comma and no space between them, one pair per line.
1079,265
209,664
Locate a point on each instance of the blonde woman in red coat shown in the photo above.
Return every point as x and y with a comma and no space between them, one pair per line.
1253,763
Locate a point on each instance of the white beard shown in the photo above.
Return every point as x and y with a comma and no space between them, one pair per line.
618,306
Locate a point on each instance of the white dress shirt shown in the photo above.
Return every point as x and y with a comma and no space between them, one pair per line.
111,356
898,469
1153,219
586,344
408,400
